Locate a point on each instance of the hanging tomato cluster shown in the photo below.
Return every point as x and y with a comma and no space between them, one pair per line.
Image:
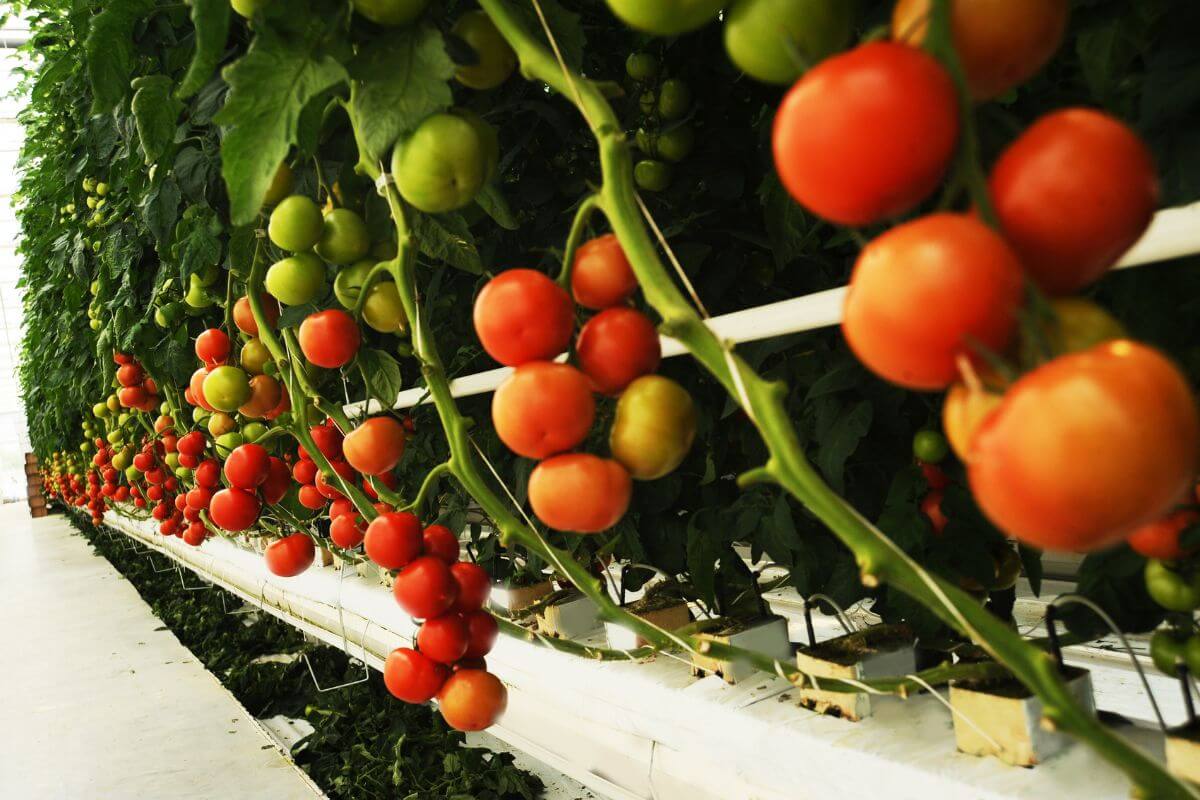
138,390
546,408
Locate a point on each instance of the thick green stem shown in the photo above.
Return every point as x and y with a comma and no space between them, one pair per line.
590,205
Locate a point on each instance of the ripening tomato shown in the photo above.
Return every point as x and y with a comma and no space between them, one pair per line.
1087,448
243,315
305,472
1072,194
963,412
472,700
346,531
291,555
329,338
247,467
928,292
439,541
866,135
375,446
579,492
328,440
255,356
444,638
482,630
413,677
129,375
278,481
425,588
212,347
393,540
617,346
521,316
601,276
474,586
1160,539
1001,43
543,408
234,509
311,498
654,427
265,394
132,396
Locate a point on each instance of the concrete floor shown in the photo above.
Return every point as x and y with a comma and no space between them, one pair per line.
99,699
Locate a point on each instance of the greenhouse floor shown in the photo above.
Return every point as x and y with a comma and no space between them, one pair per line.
101,700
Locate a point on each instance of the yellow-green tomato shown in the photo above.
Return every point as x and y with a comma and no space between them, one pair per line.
442,165
228,442
281,185
132,473
220,424
196,297
295,224
770,40
183,473
496,60
654,427
115,437
114,403
102,189
120,460
296,280
172,460
390,12
349,280
199,415
226,388
100,410
253,431
255,356
344,237
666,17
382,309
487,137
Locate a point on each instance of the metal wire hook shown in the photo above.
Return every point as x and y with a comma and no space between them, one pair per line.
183,583
842,619
362,647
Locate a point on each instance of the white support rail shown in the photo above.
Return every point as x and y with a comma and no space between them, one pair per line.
1174,233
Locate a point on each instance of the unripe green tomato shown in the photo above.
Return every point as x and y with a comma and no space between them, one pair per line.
197,298
132,473
165,409
654,427
248,8
651,175
199,415
349,280
674,99
253,431
102,189
209,275
641,66
281,185
1167,650
666,17
442,165
255,355
172,460
296,280
295,224
647,102
115,437
228,442
226,388
383,310
114,403
160,319
390,12
490,141
1172,590
120,460
100,410
97,219
676,144
496,60
183,473
930,446
647,142
344,237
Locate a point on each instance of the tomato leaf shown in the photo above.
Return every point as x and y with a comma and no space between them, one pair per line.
399,81
269,87
494,204
155,111
842,440
445,237
381,374
110,53
211,20
197,242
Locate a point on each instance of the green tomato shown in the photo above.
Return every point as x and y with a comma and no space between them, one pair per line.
100,410
647,142
120,460
172,460
197,298
253,431
390,12
349,280
248,8
641,66
115,437
495,59
653,428
200,415
344,237
165,409
226,388
676,144
295,224
255,356
1172,590
666,17
183,473
207,276
296,280
442,165
160,319
674,99
491,145
281,185
382,309
770,39
647,102
132,473
930,446
102,189
228,442
1167,649
651,175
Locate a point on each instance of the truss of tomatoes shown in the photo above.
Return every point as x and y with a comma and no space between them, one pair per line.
545,409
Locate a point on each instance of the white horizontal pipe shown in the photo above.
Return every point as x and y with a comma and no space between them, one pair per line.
1173,233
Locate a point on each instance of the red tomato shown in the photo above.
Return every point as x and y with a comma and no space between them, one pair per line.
601,276
437,540
375,446
472,700
243,316
931,507
388,479
247,466
543,408
339,507
195,534
1072,194
927,292
305,472
616,347
234,509
291,555
311,498
425,588
328,440
413,677
212,347
196,387
329,338
866,135
180,501
208,473
521,316
328,486
482,630
579,492
346,531
474,586
1087,448
129,375
191,444
122,358
132,396
1160,539
393,540
169,442
188,461
444,638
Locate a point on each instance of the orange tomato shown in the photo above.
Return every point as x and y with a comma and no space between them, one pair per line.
579,492
472,700
543,408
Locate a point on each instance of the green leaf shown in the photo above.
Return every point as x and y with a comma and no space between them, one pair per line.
703,550
446,238
197,241
211,20
269,87
156,113
381,373
400,79
841,442
109,51
494,204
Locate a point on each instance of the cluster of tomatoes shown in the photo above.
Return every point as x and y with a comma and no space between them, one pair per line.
1085,447
546,408
223,389
138,390
448,595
